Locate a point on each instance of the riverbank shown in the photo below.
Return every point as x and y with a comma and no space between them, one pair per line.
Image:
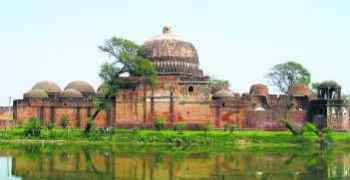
166,161
166,137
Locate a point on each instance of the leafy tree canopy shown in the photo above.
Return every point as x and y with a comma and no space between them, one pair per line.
282,76
127,59
329,83
217,84
324,84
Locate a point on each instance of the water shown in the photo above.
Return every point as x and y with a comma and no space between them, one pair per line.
132,163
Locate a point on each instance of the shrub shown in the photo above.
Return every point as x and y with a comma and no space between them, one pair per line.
94,134
32,127
179,127
112,131
207,127
64,121
202,127
230,127
159,123
51,126
89,126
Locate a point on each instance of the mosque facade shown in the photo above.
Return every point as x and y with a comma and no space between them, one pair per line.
183,95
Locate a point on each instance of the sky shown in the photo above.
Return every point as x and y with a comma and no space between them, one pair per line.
236,40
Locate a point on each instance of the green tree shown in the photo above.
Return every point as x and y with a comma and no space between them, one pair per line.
64,121
314,86
159,123
33,127
324,84
324,137
127,59
218,84
285,75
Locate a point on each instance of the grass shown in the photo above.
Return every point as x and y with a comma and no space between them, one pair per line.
167,137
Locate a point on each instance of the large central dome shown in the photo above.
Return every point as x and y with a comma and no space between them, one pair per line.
172,55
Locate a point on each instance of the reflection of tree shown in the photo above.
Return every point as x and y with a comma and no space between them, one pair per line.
317,164
89,162
32,151
63,157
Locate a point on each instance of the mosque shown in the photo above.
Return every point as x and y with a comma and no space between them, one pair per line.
183,95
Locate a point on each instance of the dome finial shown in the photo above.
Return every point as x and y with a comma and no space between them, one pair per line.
166,29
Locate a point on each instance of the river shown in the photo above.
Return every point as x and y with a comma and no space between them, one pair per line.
133,163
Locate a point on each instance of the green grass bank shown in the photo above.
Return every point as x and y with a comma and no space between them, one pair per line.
167,137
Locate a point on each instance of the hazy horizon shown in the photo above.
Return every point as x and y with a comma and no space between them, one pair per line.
236,40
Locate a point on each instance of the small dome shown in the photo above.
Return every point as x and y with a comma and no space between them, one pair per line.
299,90
80,86
47,86
223,93
36,93
72,93
259,90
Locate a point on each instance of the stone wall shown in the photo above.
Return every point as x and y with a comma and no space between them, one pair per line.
172,100
5,113
177,99
257,112
6,118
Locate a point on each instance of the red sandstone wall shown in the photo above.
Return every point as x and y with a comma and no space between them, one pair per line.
193,113
271,120
162,109
25,112
129,108
83,117
263,120
47,115
229,116
129,113
5,113
70,113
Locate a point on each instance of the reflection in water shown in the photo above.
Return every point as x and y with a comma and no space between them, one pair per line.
91,163
6,169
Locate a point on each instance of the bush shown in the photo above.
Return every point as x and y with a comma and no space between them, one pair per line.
94,134
179,127
89,126
230,127
51,126
202,127
64,121
207,127
32,127
159,123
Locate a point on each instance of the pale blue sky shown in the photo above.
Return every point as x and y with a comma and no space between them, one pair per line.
236,40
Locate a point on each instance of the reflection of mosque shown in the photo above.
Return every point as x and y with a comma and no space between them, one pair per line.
6,169
237,165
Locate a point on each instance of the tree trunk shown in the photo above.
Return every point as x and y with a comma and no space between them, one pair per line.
96,113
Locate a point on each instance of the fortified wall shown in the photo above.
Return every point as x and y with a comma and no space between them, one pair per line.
6,116
5,110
